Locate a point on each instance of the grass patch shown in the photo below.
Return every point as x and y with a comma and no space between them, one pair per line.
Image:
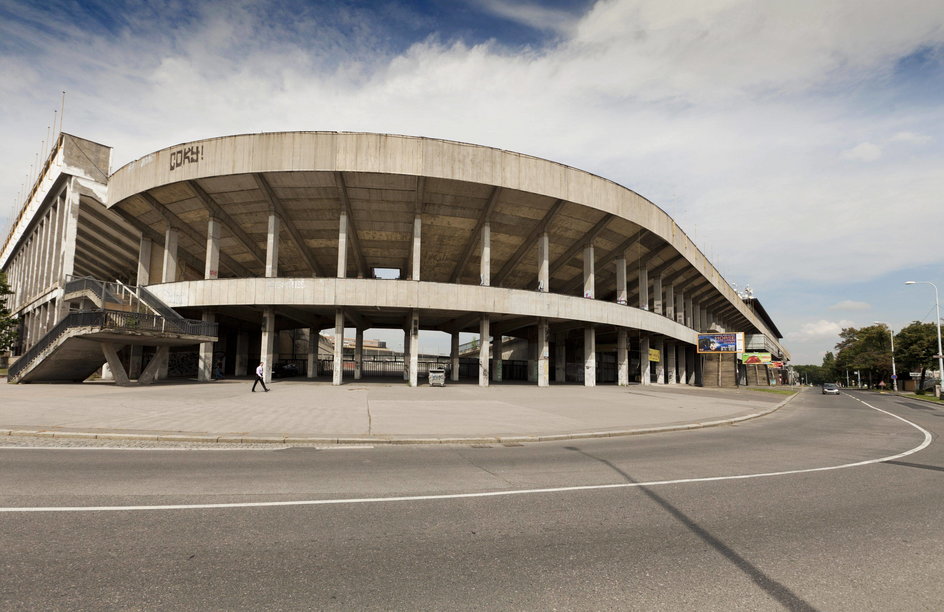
778,391
928,398
3,371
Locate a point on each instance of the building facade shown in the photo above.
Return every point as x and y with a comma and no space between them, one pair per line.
261,233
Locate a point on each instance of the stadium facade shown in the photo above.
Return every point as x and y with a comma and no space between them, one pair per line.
214,250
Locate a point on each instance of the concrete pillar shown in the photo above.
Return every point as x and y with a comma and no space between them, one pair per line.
205,356
670,301
560,358
689,313
681,355
680,307
496,354
544,355
211,269
483,350
657,294
342,245
358,353
454,356
544,266
241,367
670,363
134,362
272,247
169,269
114,363
338,369
313,338
622,357
643,286
149,374
417,248
645,373
267,345
144,262
659,345
414,332
589,281
163,365
621,291
532,358
589,356
691,358
485,266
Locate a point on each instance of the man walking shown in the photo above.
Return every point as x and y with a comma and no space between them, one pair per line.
260,372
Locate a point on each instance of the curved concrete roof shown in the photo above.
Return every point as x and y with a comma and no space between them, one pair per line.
307,177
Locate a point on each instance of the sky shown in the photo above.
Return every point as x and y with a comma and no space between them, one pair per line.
799,144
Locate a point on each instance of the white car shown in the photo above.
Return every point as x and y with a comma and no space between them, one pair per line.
830,389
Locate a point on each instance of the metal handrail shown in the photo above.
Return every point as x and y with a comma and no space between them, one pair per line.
112,319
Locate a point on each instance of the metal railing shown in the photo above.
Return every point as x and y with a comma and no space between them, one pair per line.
111,319
155,304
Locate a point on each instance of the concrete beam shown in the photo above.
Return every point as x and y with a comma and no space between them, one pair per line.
351,226
228,222
579,244
475,236
293,232
526,244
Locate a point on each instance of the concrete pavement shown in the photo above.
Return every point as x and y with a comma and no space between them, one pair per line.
367,412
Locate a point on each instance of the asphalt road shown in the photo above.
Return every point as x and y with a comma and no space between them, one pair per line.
644,522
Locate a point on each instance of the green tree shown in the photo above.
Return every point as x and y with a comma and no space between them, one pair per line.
7,323
868,350
829,369
915,347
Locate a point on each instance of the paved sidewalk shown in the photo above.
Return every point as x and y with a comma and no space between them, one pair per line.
303,411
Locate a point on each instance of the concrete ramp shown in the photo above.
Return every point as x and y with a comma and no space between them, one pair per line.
73,359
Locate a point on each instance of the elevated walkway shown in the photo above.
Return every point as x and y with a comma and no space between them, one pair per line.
113,315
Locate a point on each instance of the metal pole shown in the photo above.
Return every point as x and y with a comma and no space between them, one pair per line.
937,306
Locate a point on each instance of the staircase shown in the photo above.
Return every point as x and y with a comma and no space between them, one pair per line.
115,315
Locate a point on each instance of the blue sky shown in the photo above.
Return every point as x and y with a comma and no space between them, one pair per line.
798,143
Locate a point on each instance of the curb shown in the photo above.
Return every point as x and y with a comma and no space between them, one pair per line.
383,440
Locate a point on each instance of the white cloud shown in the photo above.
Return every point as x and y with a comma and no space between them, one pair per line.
850,305
822,329
865,151
910,138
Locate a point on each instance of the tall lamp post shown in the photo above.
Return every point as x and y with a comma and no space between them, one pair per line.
937,304
894,373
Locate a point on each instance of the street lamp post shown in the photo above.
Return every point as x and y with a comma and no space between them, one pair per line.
937,319
894,373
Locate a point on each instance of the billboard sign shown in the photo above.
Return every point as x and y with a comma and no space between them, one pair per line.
756,358
721,343
655,355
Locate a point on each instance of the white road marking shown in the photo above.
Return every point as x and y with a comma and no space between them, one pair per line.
371,500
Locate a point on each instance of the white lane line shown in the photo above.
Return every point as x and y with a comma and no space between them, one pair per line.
369,500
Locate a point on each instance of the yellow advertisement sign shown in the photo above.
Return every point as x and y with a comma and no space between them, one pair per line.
655,355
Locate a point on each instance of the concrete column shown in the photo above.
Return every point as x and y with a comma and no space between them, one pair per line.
212,267
338,369
267,346
144,262
342,245
680,307
417,247
241,367
485,266
622,357
670,301
163,365
690,359
414,333
544,266
313,337
689,313
681,356
657,294
589,282
71,227
205,356
169,269
560,358
150,372
483,350
544,355
645,373
621,291
454,356
117,370
589,356
670,363
358,353
643,286
496,354
272,247
659,345
57,240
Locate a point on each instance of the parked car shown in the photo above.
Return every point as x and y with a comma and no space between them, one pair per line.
285,370
830,389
